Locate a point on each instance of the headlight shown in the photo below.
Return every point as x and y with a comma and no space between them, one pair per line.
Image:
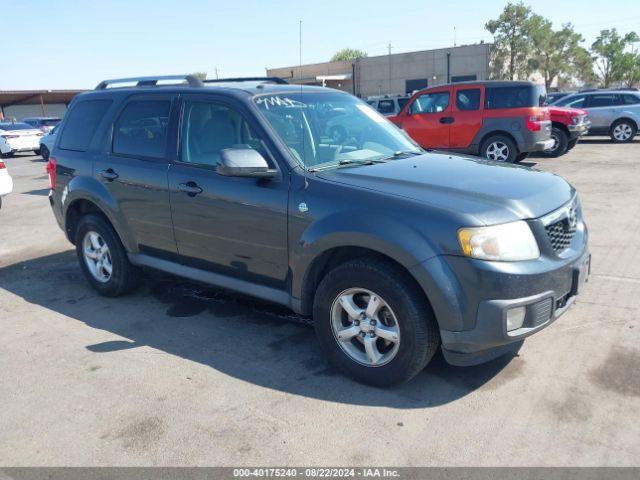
508,242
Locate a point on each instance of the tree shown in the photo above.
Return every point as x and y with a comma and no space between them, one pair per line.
630,66
609,59
348,54
200,75
555,54
511,41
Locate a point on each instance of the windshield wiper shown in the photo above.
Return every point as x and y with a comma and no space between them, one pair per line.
348,161
398,154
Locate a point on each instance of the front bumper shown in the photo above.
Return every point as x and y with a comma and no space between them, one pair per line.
555,292
579,129
543,145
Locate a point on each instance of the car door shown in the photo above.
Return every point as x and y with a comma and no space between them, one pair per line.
232,226
601,108
428,119
467,114
135,171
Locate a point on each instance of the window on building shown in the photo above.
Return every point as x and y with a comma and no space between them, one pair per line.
82,123
141,129
468,99
412,85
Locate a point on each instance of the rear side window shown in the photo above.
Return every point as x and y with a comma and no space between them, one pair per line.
141,129
630,99
468,99
431,103
386,106
81,124
602,100
515,97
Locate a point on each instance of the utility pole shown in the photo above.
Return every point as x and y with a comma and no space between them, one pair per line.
454,36
389,85
216,69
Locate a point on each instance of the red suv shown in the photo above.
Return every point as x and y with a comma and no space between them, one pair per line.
567,126
499,120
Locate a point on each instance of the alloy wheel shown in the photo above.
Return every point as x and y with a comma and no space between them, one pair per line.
97,256
365,327
622,132
498,151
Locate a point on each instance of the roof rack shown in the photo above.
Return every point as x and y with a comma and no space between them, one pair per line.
192,80
278,80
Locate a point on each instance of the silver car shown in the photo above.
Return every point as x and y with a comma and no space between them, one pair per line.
612,112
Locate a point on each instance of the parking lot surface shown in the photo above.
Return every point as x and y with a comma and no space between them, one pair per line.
185,374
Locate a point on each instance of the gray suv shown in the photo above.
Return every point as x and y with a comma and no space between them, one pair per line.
394,251
612,112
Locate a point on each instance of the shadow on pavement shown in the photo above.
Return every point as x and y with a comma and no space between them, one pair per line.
260,343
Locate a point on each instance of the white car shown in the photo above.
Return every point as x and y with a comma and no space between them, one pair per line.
19,137
6,183
46,143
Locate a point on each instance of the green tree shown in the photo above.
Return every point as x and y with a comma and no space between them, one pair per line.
511,42
348,54
555,54
609,59
630,67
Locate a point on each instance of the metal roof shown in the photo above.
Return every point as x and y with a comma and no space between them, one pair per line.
33,97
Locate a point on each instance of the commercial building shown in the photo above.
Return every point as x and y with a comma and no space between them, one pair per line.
20,104
397,73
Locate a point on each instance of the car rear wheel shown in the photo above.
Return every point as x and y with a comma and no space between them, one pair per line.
560,143
103,258
572,143
623,131
500,149
37,152
374,323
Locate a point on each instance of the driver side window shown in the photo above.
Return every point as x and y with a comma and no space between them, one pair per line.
208,128
430,103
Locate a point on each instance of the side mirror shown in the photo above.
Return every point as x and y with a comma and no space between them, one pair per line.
243,162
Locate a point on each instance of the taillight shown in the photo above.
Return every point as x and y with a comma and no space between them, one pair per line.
2,165
51,171
534,122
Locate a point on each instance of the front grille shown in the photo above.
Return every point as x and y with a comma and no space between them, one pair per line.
560,234
563,227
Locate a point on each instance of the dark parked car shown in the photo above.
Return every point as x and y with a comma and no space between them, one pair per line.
44,124
394,251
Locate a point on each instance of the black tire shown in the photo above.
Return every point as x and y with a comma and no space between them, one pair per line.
37,152
561,143
521,156
628,125
124,276
572,143
512,149
44,151
419,334
338,133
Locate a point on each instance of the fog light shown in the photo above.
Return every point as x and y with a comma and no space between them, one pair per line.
515,317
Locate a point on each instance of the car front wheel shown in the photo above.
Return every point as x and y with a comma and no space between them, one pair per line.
623,131
374,323
560,143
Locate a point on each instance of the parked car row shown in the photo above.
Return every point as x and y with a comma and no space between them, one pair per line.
30,134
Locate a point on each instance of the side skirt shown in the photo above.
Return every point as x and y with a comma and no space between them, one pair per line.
222,281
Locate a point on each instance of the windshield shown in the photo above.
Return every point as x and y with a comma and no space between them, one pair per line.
325,130
50,122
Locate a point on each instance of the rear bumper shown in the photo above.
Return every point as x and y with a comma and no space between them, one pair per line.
489,338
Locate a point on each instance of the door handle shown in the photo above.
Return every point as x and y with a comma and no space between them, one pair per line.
190,188
109,175
446,120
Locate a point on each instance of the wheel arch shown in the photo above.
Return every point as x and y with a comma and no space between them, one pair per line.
627,118
494,133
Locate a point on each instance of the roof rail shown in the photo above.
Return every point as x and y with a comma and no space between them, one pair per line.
192,80
278,80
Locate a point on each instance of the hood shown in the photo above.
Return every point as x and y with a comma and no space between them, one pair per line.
491,192
566,111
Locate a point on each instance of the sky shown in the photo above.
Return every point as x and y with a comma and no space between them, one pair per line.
67,44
